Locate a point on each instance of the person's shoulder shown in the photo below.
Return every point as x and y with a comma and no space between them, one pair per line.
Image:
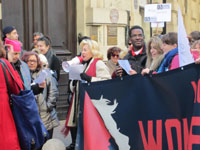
55,58
5,60
127,55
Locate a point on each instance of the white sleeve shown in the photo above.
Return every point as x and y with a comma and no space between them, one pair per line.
102,72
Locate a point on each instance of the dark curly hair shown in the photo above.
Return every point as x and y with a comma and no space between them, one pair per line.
46,39
133,28
112,50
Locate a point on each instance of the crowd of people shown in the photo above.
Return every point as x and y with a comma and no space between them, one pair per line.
26,66
160,54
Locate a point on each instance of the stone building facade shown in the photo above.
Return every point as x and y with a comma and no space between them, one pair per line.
107,21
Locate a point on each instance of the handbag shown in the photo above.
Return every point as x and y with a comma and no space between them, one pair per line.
31,131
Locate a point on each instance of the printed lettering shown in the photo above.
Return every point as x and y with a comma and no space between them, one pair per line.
152,144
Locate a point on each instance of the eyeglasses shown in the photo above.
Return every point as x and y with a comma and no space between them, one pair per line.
114,55
32,61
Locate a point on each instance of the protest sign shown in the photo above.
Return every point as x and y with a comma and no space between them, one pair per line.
157,13
158,112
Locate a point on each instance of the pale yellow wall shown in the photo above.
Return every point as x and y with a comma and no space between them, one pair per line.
191,17
0,11
96,12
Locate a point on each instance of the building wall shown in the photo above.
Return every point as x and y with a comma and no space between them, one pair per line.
95,19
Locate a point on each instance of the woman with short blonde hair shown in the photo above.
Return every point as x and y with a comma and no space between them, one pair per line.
94,70
94,47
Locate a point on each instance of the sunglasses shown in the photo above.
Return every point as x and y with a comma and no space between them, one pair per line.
114,55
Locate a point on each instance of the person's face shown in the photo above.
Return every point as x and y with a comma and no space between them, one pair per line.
32,63
42,47
166,47
16,56
13,56
86,53
137,38
115,57
13,35
153,51
197,46
35,38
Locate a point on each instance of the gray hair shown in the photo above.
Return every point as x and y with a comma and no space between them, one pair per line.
38,34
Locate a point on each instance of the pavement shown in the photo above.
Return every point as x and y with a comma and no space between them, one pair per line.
58,135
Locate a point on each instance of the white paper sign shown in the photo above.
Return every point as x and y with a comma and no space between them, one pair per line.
42,76
125,65
157,13
157,24
75,71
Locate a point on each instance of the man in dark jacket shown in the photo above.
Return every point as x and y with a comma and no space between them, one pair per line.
137,55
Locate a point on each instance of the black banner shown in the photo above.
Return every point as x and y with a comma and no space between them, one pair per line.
158,112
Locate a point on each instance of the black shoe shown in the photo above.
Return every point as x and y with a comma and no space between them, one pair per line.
71,147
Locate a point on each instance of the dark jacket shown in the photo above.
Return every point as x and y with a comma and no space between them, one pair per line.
137,62
54,63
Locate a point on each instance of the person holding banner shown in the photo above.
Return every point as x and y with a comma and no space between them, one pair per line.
170,49
154,55
94,70
195,49
46,100
137,55
193,36
113,57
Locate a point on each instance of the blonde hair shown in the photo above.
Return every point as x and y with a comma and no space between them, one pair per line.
36,50
93,46
158,43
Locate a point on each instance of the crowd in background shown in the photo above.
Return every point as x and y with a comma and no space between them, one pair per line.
160,54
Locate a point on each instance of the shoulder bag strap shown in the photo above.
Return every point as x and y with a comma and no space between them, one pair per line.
4,64
7,84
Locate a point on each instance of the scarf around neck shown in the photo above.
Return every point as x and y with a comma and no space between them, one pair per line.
167,60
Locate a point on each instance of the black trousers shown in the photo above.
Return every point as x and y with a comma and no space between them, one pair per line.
50,133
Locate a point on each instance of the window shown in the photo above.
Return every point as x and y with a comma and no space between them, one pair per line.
94,33
111,35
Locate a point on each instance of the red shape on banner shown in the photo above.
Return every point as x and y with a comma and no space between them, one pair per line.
196,87
194,139
96,136
152,144
169,124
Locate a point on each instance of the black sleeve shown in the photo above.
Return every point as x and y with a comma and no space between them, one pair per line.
36,89
56,66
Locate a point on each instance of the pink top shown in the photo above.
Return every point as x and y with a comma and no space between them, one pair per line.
175,62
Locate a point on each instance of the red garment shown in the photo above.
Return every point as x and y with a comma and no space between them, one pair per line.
91,72
133,52
92,68
8,133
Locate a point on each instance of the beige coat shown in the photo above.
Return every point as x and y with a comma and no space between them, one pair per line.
102,73
46,102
